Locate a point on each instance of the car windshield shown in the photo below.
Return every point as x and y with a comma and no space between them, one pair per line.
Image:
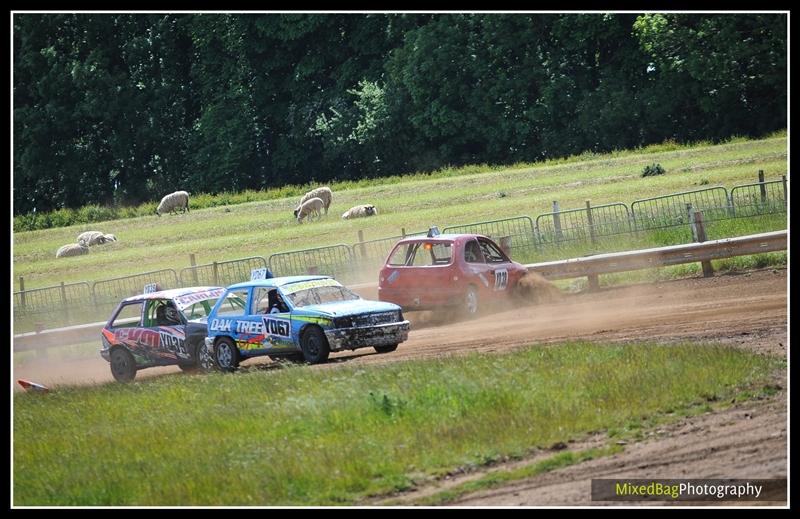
319,295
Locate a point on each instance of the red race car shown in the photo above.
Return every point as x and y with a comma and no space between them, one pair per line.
454,270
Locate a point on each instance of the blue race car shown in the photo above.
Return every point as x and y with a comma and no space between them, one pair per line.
302,318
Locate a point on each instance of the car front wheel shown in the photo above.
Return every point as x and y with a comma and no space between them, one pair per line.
123,367
385,349
315,345
226,354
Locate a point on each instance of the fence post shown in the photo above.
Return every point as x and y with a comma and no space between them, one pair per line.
785,193
64,304
692,226
591,221
762,187
403,231
22,283
557,220
708,270
731,207
214,267
361,249
193,263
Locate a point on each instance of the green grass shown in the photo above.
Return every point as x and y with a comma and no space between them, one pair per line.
300,436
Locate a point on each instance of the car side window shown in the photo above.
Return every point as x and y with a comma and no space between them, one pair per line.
233,303
128,316
472,252
261,301
492,253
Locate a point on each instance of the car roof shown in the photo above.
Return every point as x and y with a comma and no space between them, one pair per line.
276,282
171,293
442,237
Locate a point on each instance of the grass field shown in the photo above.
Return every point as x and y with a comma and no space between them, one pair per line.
261,228
300,436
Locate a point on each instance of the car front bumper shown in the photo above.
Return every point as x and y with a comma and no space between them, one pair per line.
367,336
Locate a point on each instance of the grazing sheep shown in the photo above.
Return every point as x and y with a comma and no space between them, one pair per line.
72,249
174,201
321,192
90,238
309,208
360,211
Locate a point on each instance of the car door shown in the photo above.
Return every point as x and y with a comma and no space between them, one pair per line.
497,264
274,318
478,272
170,327
129,328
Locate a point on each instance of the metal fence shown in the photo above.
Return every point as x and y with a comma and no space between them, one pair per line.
515,234
372,253
109,292
52,306
758,198
335,260
583,224
221,273
670,210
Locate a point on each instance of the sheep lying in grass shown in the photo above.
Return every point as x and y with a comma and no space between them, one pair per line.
360,211
174,201
309,208
72,249
90,238
323,193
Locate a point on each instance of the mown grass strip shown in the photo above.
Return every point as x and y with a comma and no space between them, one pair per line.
301,436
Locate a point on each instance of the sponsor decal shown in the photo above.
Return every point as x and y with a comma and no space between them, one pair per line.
393,276
150,288
277,327
189,299
305,285
172,343
141,337
500,279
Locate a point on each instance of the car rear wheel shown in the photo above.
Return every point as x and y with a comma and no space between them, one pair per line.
471,302
315,345
226,354
123,367
385,349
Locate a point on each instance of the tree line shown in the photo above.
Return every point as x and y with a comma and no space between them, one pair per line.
117,109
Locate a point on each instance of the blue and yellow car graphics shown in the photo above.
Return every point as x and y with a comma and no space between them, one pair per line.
300,317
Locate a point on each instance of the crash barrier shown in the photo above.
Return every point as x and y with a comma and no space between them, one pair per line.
518,232
221,273
108,293
562,269
661,256
334,260
518,235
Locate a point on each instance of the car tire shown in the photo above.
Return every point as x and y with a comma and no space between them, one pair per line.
123,367
205,360
226,355
386,349
315,345
470,302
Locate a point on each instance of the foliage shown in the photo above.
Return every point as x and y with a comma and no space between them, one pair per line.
118,109
653,169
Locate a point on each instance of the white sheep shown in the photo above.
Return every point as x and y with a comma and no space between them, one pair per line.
90,238
309,208
174,201
360,211
321,192
72,249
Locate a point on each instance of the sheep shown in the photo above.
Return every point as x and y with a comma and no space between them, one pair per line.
90,238
309,208
72,249
321,192
174,201
360,211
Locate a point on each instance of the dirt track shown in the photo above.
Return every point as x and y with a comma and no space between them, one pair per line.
747,310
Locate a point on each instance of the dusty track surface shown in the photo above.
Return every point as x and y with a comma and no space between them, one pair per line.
747,310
